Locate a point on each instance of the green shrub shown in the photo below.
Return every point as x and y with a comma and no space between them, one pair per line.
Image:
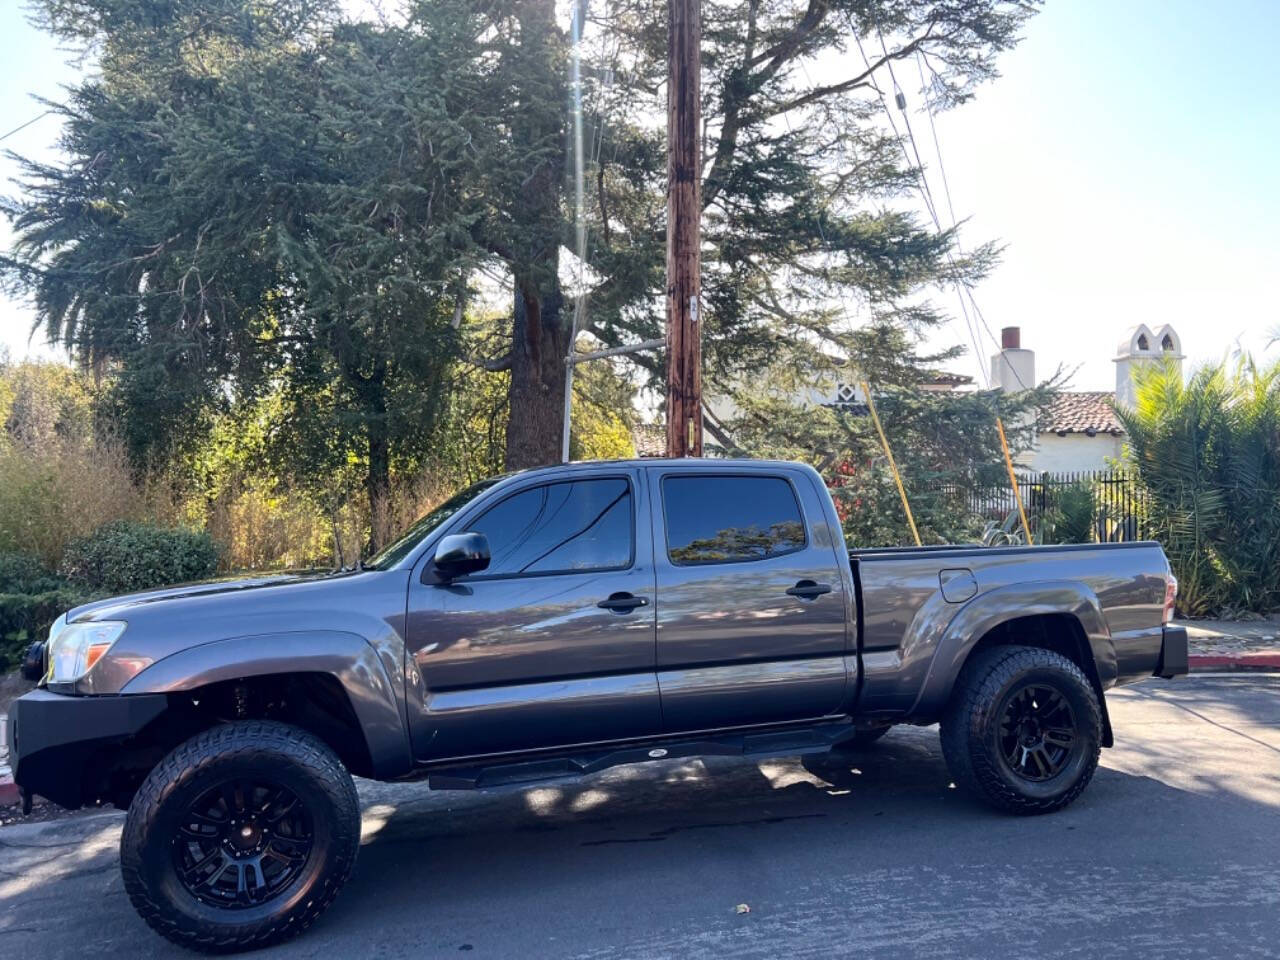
25,617
20,573
1073,513
122,557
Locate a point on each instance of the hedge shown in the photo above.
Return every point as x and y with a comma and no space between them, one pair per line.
124,557
25,617
121,557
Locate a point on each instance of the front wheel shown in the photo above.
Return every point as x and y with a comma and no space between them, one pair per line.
240,837
1023,730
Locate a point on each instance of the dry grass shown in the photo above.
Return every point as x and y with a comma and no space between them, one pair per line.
52,493
268,528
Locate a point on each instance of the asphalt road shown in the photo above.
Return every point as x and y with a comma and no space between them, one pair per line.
1174,851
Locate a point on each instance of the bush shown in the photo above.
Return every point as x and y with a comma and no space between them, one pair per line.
31,598
1073,514
20,573
26,617
122,557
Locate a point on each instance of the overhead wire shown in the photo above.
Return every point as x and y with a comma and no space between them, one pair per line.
963,288
926,194
964,284
23,126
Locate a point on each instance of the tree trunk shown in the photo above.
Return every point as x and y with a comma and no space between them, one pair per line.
372,391
540,332
540,340
378,486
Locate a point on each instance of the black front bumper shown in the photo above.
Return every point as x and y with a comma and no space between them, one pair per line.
53,738
1173,653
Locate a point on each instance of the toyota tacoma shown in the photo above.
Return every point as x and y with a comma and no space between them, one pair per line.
553,623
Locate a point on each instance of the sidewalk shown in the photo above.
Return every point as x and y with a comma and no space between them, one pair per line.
1233,644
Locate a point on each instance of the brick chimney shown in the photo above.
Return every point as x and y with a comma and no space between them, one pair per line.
1013,368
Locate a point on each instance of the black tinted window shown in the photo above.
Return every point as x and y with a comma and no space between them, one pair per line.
583,525
724,519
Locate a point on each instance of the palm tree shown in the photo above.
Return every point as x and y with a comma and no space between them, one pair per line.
1208,453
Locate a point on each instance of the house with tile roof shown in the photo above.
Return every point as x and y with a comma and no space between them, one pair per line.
1080,430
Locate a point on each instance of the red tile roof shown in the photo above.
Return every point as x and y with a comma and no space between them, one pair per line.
1087,412
650,439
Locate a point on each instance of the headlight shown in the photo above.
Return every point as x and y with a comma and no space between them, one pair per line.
56,628
78,646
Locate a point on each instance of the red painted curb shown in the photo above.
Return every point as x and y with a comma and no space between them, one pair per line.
1234,661
8,792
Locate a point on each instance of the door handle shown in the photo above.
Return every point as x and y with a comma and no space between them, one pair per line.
622,602
808,589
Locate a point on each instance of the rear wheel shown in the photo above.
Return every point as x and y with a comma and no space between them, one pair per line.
241,837
1023,730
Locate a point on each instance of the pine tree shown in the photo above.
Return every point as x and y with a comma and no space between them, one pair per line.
263,196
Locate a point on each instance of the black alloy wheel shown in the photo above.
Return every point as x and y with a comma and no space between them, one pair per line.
1037,732
241,837
242,843
1023,728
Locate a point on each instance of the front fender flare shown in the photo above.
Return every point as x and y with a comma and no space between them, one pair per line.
346,656
988,610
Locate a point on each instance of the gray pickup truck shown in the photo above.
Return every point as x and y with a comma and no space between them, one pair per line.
553,623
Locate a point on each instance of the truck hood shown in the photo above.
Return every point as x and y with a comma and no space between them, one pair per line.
368,604
104,608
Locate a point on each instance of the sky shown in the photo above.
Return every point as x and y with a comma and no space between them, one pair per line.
1126,159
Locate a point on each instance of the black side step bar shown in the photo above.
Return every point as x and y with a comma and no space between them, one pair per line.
817,738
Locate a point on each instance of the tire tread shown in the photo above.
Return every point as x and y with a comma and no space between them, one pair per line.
967,716
243,739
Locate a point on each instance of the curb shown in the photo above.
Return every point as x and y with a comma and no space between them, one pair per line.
1234,661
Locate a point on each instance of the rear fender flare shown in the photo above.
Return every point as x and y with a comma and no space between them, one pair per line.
346,656
989,610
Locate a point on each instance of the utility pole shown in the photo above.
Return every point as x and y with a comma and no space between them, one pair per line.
684,214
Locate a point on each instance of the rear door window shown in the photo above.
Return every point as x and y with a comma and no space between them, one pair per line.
727,519
560,528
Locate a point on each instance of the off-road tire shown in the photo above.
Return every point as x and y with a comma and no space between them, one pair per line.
971,728
278,753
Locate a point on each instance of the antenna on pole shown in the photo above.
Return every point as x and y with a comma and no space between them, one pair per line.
684,214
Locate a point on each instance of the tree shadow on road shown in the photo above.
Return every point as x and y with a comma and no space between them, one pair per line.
677,845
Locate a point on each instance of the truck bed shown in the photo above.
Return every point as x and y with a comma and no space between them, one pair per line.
913,601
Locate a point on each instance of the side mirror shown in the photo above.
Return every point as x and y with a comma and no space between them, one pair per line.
460,554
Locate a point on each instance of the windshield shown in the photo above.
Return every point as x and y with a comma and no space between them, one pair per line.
405,545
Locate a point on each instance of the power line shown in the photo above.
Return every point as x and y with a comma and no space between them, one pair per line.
942,170
963,287
925,193
24,126
946,186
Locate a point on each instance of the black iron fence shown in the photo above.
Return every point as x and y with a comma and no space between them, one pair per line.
1084,506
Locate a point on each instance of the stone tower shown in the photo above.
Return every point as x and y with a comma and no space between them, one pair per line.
1142,345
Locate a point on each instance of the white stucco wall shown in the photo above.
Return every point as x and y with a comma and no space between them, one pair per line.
1074,451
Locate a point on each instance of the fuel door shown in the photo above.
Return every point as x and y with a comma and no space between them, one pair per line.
958,584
